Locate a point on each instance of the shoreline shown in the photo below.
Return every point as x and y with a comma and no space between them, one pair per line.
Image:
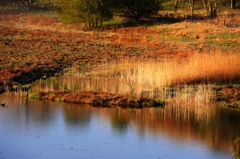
36,47
99,99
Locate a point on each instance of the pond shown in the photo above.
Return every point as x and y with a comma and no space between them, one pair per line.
43,129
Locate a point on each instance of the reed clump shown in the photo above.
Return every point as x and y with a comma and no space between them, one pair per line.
217,68
181,78
187,79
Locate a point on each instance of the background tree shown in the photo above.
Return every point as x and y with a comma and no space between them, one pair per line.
27,3
136,9
91,12
191,3
175,6
211,7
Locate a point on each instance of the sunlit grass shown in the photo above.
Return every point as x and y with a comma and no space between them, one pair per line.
215,68
137,76
189,80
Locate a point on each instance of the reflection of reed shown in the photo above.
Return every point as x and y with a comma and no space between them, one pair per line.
77,116
216,127
12,97
179,122
236,151
186,111
28,112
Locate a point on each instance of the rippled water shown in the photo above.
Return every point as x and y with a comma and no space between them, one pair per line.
41,129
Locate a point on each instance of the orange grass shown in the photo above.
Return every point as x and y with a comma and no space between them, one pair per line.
192,77
217,68
186,80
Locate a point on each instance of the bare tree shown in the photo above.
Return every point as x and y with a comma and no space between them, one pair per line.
211,7
205,6
27,3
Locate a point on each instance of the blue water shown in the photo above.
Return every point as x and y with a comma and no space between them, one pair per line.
36,129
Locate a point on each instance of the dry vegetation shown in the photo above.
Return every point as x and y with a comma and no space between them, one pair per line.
189,80
142,58
216,68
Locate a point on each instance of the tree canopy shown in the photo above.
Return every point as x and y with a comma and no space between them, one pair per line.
135,9
94,12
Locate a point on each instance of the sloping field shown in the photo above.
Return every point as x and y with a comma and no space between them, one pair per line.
36,45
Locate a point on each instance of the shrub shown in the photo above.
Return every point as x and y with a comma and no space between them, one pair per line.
159,103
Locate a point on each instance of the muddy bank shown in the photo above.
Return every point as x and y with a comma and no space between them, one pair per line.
1,87
229,96
11,78
99,99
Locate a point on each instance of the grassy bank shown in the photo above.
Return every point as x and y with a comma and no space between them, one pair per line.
143,57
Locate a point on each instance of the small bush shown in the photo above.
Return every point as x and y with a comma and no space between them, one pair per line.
231,105
57,100
34,96
159,103
2,104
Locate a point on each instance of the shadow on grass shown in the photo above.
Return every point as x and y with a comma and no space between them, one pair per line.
120,22
6,8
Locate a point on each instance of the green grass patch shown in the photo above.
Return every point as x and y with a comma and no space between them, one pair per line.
222,36
58,100
34,96
188,39
224,41
116,21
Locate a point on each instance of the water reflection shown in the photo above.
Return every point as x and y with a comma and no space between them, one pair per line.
236,152
79,116
217,127
208,130
119,124
29,111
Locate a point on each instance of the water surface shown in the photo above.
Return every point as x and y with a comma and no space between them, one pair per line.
42,129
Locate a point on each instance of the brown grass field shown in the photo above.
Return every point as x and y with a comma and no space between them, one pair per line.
37,45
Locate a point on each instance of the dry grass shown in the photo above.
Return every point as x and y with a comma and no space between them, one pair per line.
184,36
189,80
161,55
215,68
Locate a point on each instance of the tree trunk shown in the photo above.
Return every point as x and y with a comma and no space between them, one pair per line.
216,7
191,2
205,7
233,4
213,8
28,5
210,8
176,6
101,22
54,5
